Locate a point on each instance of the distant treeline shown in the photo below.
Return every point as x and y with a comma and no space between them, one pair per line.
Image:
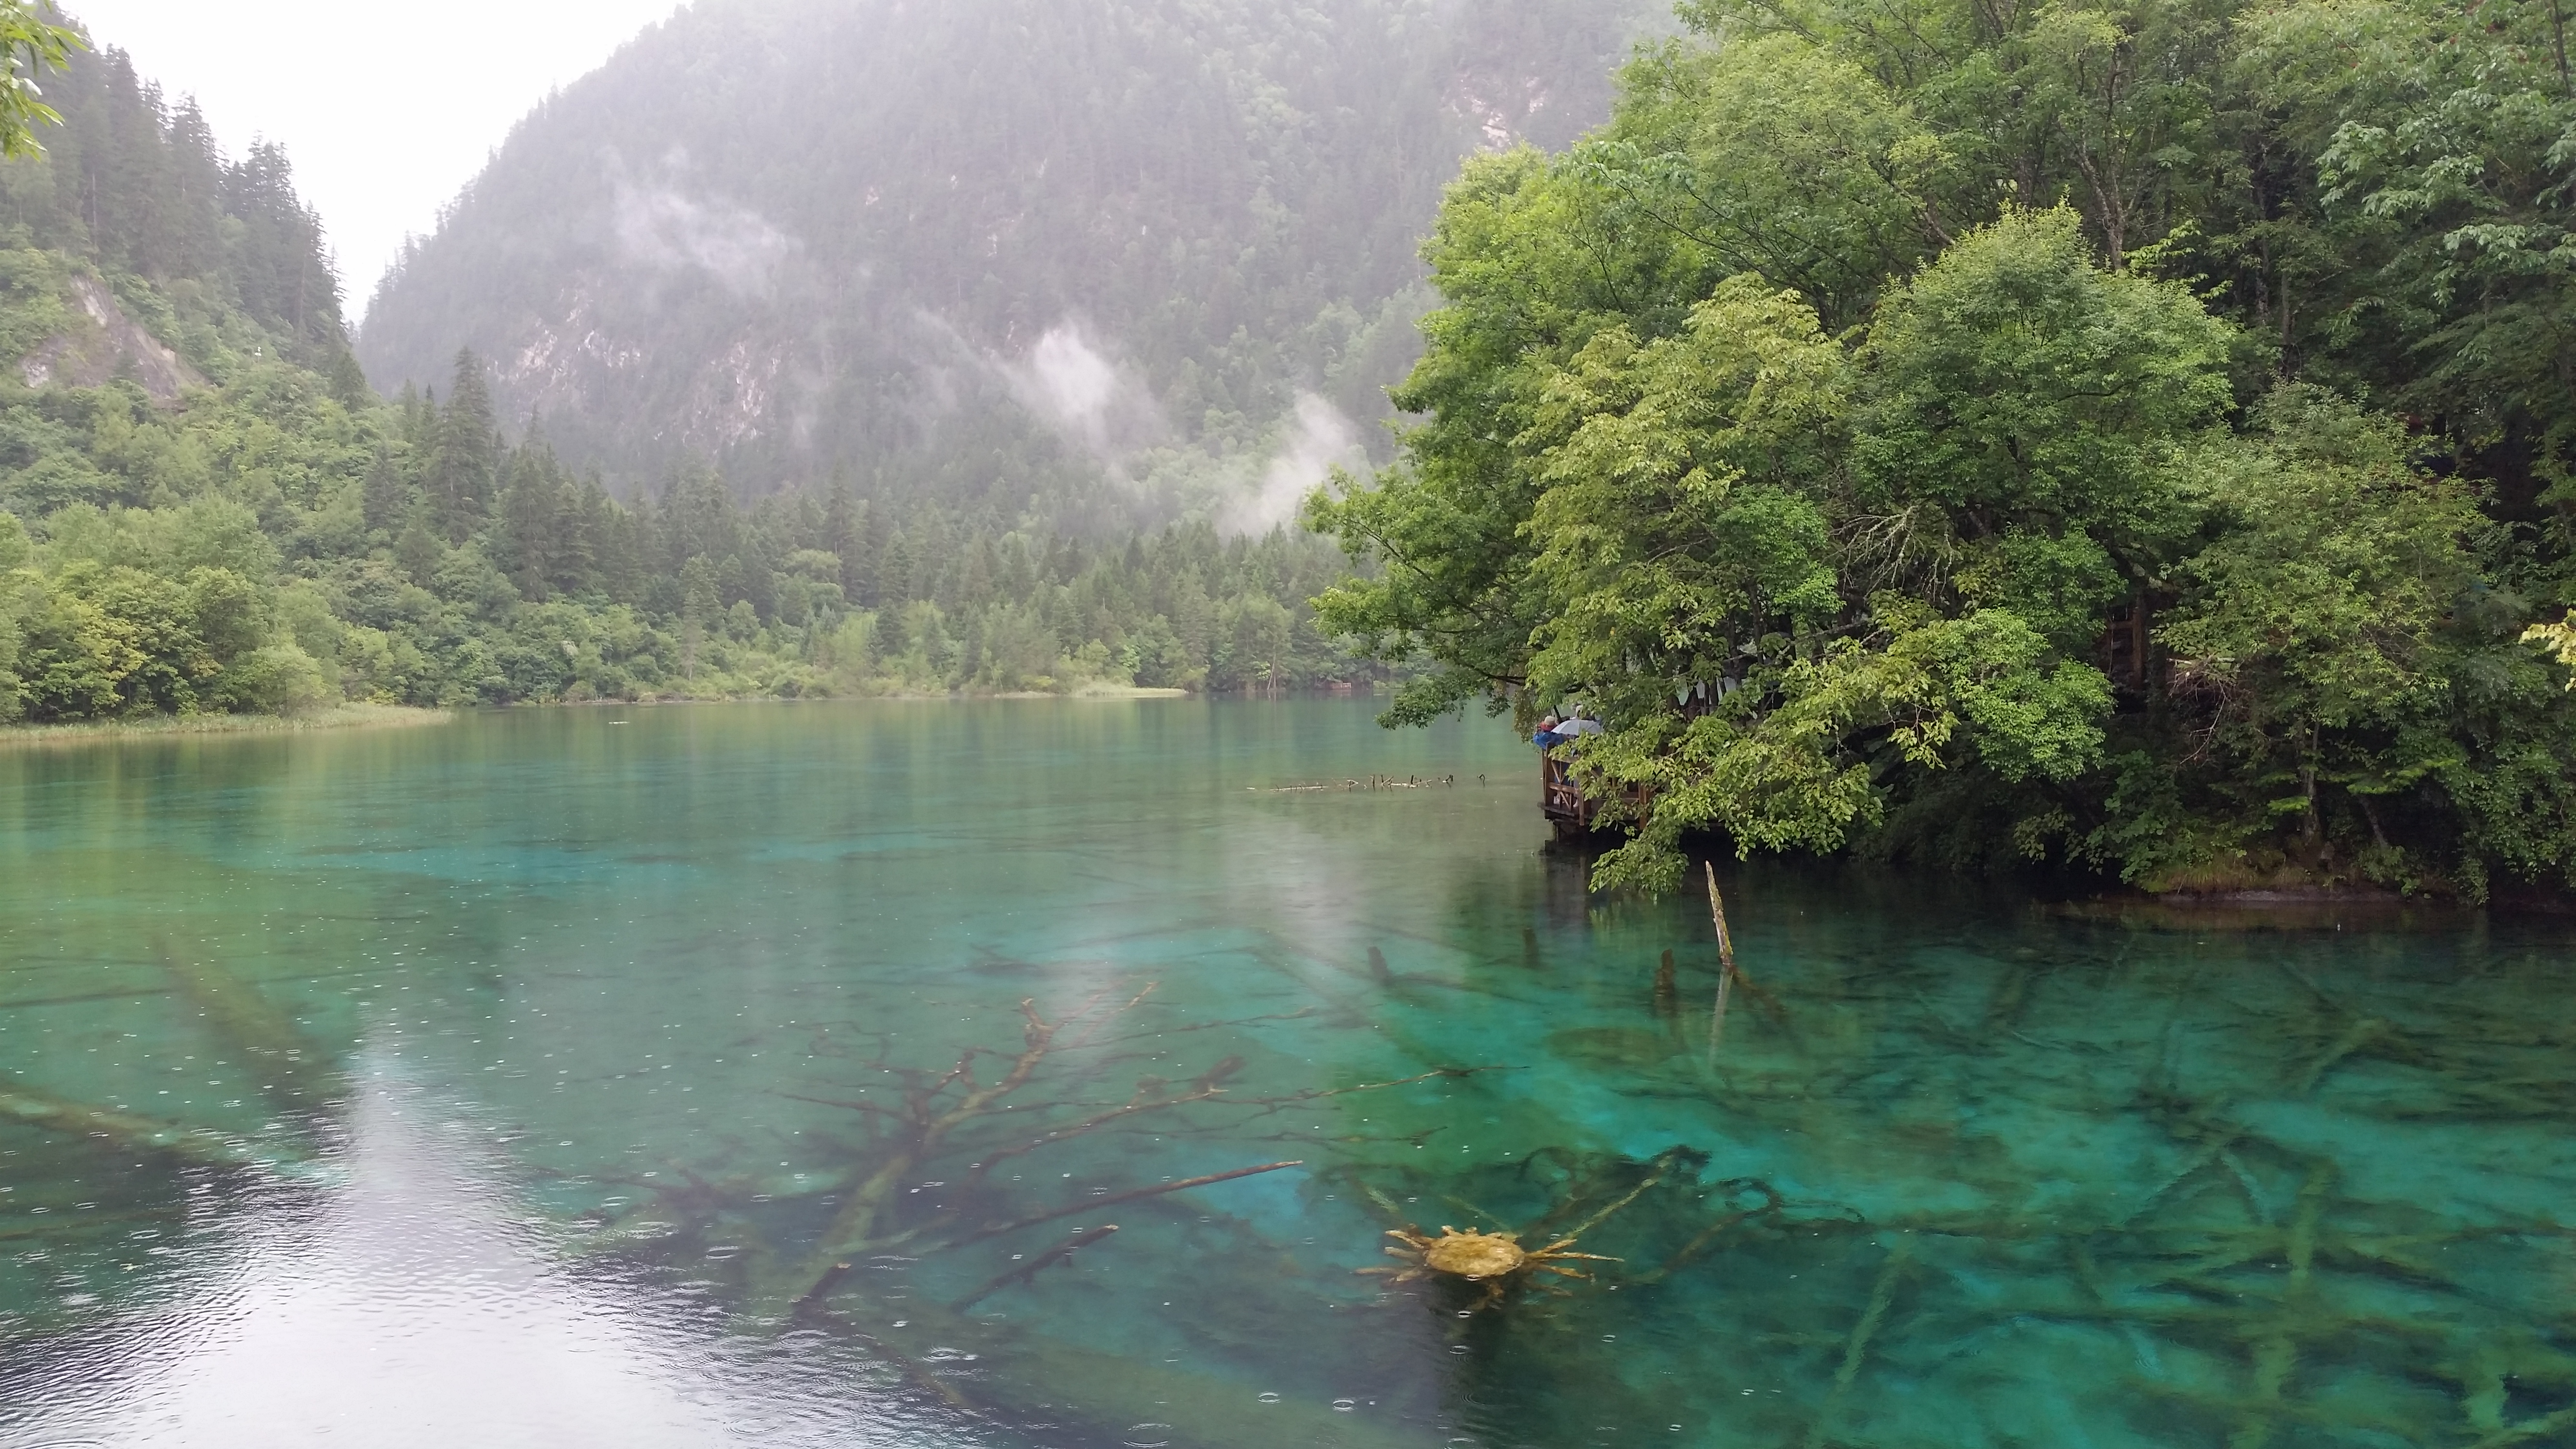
265,547
258,531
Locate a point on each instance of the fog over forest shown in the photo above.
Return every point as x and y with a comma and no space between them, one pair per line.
1105,262
805,348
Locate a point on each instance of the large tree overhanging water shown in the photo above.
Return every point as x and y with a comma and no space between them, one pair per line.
2116,440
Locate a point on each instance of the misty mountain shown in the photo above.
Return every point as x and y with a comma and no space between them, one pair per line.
204,507
1091,261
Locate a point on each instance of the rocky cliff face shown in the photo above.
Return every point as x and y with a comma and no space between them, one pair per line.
1091,256
101,343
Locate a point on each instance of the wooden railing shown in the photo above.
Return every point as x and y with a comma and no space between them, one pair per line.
1563,801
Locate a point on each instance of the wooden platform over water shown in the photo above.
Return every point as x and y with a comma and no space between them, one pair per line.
1574,814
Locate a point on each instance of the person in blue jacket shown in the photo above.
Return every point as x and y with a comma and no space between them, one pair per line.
1547,738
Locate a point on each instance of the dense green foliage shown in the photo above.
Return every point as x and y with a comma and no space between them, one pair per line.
262,547
137,189
33,42
2129,437
801,235
242,526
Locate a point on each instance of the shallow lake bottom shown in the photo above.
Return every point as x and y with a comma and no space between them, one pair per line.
778,1075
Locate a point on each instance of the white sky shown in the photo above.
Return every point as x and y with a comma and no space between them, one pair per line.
386,109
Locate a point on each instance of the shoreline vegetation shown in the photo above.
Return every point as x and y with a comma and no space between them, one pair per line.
1903,440
362,715
185,726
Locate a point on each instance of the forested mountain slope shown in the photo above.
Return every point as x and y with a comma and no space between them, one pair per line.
219,257
203,508
996,251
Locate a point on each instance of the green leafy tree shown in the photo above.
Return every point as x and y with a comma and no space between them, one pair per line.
33,42
1687,488
1529,268
2323,632
102,641
2019,416
1848,526
2441,153
1771,157
1800,576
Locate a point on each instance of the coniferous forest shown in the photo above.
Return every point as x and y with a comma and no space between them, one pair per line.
2128,440
972,250
233,521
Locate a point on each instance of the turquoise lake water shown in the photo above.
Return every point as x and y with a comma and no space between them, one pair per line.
742,1075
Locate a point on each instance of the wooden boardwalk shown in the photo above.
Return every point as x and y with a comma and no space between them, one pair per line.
1575,815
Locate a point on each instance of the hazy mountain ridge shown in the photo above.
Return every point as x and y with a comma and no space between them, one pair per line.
204,508
1100,256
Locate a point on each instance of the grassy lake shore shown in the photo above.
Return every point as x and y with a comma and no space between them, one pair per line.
379,716
347,716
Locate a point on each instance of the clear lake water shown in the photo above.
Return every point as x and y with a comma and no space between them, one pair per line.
776,1074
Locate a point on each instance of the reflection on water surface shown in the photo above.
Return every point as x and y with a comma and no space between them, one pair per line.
778,1075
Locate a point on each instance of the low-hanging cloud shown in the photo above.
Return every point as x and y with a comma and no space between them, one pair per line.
1083,394
1320,438
662,228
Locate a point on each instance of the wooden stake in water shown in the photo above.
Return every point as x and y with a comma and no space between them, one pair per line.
1725,963
1667,987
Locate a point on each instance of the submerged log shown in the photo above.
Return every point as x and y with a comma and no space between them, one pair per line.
291,1070
1046,1377
1028,1272
856,1223
143,1134
1882,1295
1116,1198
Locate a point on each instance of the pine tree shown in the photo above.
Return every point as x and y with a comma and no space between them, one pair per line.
841,530
573,565
284,278
197,195
609,534
893,582
387,495
529,525
698,515
419,421
418,550
699,605
467,454
122,185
